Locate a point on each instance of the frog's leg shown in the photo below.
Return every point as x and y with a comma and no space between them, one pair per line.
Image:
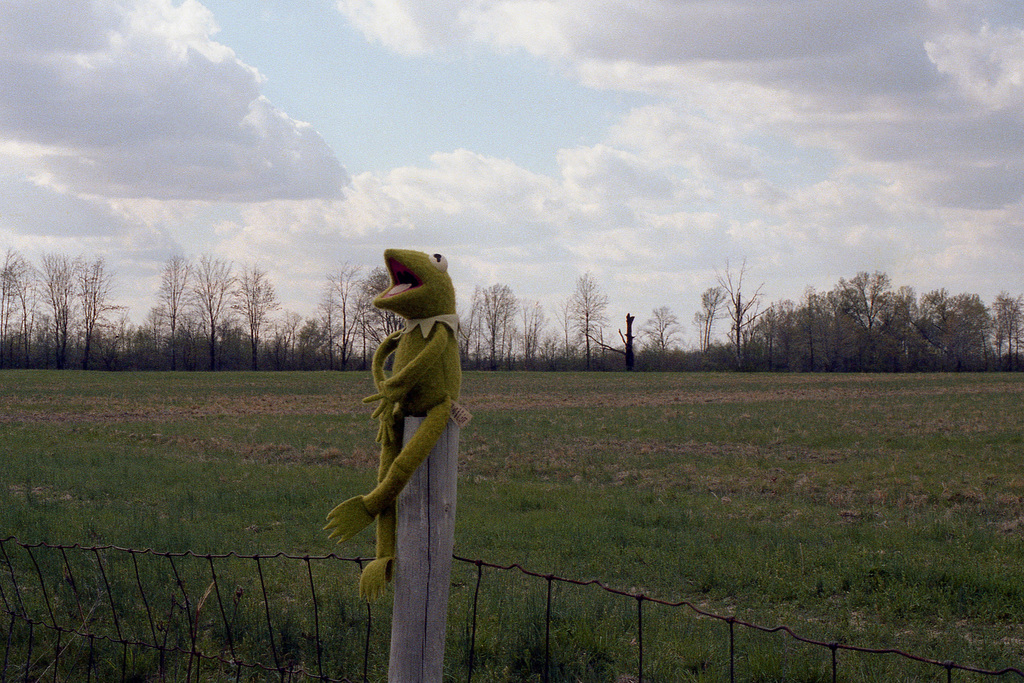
396,469
378,573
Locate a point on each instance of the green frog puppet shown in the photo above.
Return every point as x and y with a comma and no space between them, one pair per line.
425,381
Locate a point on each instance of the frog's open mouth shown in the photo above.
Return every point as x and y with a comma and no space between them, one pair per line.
402,279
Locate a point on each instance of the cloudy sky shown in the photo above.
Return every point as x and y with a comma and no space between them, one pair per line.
530,141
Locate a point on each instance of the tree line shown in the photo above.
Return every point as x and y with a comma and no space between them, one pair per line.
211,314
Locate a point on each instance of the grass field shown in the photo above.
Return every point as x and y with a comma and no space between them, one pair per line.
876,510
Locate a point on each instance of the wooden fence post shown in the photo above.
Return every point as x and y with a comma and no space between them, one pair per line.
425,541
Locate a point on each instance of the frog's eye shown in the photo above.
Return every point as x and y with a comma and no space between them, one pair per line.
439,262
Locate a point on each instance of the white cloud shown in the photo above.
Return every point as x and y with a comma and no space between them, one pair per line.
602,174
710,150
871,81
139,101
463,195
987,65
405,27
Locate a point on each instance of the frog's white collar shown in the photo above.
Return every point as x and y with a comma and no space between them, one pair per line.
427,324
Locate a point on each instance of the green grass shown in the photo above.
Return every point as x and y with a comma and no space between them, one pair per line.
881,511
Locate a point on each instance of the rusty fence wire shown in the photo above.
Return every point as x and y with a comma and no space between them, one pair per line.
104,613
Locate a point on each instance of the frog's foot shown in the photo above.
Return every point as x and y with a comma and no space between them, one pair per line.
348,519
375,578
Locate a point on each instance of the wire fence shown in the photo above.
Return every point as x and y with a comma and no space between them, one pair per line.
105,613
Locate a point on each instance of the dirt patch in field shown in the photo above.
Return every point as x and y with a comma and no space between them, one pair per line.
631,397
625,395
40,494
201,448
118,411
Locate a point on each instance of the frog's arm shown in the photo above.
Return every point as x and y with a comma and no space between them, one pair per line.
386,348
417,371
352,516
385,411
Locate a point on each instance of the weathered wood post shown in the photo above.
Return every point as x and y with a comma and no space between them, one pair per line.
425,540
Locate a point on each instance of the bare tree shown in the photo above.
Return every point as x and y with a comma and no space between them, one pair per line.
26,292
95,285
587,312
906,346
210,293
254,299
58,282
743,312
497,306
549,349
775,330
973,330
469,332
311,340
340,312
7,285
564,315
710,303
113,345
813,321
866,301
661,329
328,309
534,321
148,339
286,332
957,327
16,289
174,287
866,298
1009,325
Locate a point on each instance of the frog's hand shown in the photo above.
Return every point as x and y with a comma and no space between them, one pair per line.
388,414
348,519
384,409
413,452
